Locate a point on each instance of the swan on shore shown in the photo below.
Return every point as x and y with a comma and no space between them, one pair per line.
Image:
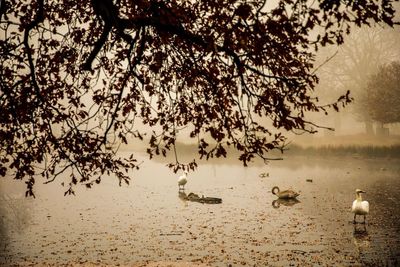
182,180
359,206
286,194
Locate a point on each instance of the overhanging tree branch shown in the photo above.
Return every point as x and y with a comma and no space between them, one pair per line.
39,18
231,72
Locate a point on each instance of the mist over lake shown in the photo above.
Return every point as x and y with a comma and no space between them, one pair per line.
148,224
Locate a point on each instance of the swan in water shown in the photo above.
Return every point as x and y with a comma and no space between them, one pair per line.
286,194
359,206
182,180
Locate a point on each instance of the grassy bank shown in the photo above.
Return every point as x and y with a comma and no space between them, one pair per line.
366,151
360,145
356,146
362,140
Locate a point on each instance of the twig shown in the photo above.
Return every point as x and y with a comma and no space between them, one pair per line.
326,61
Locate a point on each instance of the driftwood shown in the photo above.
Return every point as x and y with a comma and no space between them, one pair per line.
196,198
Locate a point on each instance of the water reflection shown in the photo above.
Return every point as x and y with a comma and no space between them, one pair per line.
15,215
360,231
361,240
182,196
196,198
285,202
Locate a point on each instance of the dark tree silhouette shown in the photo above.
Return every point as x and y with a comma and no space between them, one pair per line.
74,74
380,100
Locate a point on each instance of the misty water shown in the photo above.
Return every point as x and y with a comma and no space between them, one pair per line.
147,222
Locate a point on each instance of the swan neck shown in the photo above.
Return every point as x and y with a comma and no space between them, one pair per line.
277,190
359,197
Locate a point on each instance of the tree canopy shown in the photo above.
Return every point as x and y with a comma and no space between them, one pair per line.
74,74
380,101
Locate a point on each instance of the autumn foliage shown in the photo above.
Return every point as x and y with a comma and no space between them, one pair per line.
78,76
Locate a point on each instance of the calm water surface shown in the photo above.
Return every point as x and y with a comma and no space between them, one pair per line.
147,222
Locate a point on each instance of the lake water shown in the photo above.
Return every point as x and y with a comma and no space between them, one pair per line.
147,223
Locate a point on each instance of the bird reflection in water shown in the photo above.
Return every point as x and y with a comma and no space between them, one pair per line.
285,202
182,195
361,240
196,198
360,233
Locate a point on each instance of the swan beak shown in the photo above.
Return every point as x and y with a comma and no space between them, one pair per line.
363,192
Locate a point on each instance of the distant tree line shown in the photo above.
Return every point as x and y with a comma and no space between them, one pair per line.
380,100
367,54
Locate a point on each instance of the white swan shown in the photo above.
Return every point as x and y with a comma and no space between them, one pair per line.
182,180
359,207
